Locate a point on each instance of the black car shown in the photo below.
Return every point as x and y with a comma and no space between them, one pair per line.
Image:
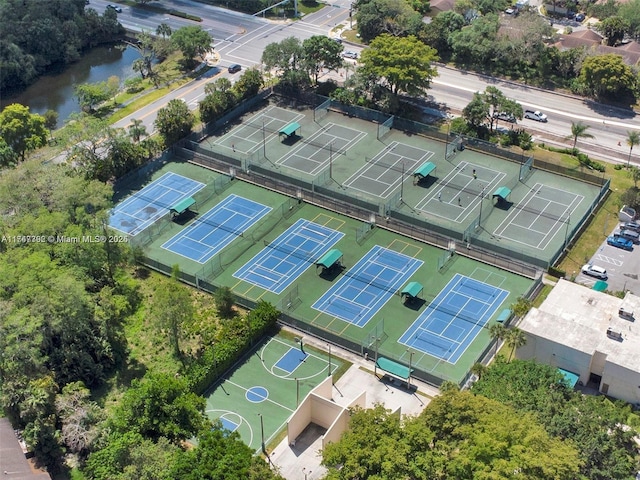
115,7
234,68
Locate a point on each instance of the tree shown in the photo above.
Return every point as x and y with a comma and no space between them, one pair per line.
606,447
50,119
607,76
614,29
91,94
192,41
630,11
224,301
319,52
497,331
174,121
173,309
249,84
437,34
393,17
282,56
221,455
521,307
401,64
579,130
514,338
633,139
79,416
478,369
137,130
113,85
164,30
144,65
160,406
21,130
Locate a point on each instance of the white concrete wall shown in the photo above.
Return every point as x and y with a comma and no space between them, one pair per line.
299,419
556,355
335,431
324,411
623,383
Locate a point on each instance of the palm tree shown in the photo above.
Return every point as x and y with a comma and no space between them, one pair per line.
520,307
164,30
579,130
514,338
634,173
137,130
497,331
478,369
633,139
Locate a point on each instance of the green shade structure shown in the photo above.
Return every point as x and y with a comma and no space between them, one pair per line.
329,259
502,193
424,170
394,368
290,129
182,206
504,315
412,290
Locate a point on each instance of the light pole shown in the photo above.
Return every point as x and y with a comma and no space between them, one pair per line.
264,143
297,392
410,365
329,372
480,214
264,449
304,470
566,234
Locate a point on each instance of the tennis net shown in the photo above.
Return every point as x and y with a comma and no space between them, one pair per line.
479,287
455,313
219,226
406,168
309,257
372,280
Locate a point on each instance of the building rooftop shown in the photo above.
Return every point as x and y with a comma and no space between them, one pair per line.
13,463
579,317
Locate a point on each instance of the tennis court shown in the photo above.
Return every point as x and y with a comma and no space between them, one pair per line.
282,261
459,193
269,382
141,209
317,151
386,171
539,216
366,287
259,129
216,229
452,321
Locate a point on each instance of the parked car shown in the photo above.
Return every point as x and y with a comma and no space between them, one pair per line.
234,68
580,17
629,235
350,54
536,115
115,7
594,271
633,226
504,116
620,242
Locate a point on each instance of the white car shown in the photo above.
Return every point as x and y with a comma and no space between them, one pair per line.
538,116
594,271
350,54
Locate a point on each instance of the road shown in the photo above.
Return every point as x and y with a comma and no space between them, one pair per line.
241,38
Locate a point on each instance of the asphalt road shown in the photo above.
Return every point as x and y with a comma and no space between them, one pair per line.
241,38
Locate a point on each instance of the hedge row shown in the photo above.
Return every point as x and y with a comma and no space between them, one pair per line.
236,337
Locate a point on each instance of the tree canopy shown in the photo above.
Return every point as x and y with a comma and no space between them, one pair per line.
607,76
192,41
403,64
21,130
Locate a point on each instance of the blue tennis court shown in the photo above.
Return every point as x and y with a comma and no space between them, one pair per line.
455,317
216,229
291,360
282,261
144,207
366,287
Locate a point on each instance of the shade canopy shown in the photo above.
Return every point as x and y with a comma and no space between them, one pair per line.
502,193
570,378
393,368
600,286
330,258
424,170
182,206
412,290
504,315
289,129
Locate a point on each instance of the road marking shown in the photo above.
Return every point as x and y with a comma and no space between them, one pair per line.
610,260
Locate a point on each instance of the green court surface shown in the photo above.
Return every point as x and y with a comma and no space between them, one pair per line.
389,323
342,156
269,382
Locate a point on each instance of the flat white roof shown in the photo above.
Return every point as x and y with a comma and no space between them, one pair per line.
579,317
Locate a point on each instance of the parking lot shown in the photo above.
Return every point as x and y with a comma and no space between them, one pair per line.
622,267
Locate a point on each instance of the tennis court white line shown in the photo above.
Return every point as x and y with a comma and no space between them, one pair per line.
510,221
310,355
